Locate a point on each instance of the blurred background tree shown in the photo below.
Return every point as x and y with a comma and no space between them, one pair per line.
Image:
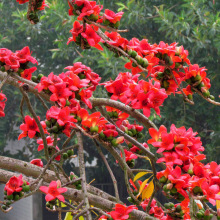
194,24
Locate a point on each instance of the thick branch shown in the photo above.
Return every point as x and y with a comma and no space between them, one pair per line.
75,195
125,108
34,171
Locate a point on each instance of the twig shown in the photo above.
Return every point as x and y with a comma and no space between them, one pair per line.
50,161
100,211
37,121
150,201
59,212
21,108
132,140
141,170
68,139
71,182
184,95
109,170
207,99
104,27
126,178
62,170
4,81
42,101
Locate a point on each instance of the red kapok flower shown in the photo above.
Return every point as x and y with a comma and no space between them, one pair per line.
24,56
27,74
112,16
14,185
22,1
53,192
37,162
30,127
122,212
3,99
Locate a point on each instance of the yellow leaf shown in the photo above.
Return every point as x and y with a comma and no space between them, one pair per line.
218,203
81,218
92,181
142,187
68,216
139,175
148,160
146,194
62,204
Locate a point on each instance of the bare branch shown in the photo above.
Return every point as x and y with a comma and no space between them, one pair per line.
82,174
109,170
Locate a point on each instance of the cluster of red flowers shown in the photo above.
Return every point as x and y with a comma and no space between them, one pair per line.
163,62
18,62
138,94
86,36
92,11
167,64
185,173
77,83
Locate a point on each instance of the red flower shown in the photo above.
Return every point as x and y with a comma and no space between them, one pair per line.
211,192
156,135
112,16
37,162
3,99
166,143
157,212
30,127
24,56
22,1
53,192
89,8
180,180
91,36
116,39
41,145
60,93
45,82
12,61
43,5
61,114
122,212
14,185
93,120
170,158
129,155
27,73
76,30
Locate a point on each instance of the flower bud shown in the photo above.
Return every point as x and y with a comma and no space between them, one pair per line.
207,212
58,184
218,212
169,186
